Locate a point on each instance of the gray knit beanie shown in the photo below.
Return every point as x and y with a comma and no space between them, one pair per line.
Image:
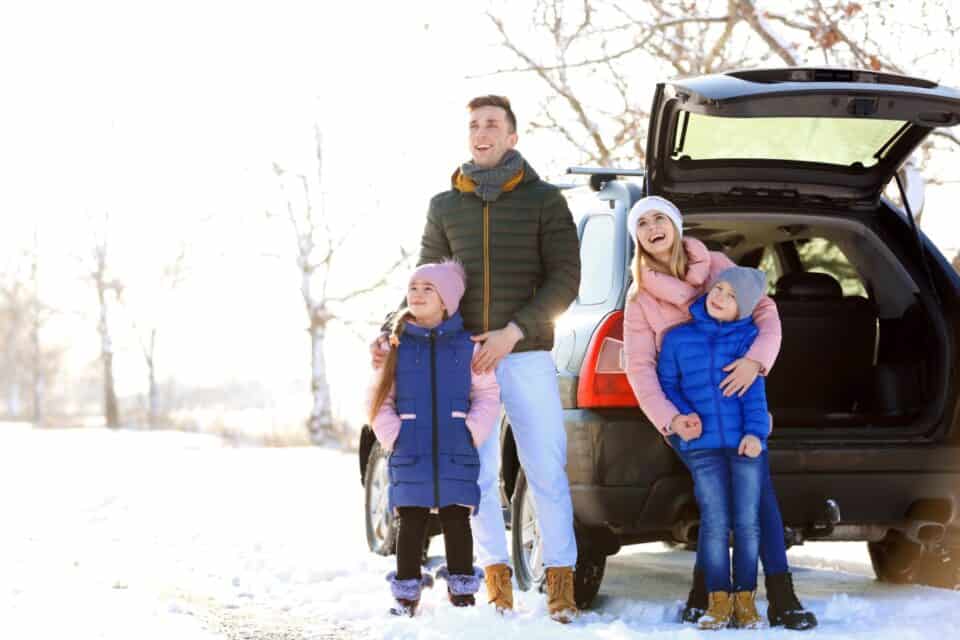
749,286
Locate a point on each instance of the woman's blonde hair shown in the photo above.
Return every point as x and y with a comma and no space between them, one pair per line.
390,366
676,268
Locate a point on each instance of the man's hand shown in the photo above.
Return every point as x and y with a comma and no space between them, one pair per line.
688,427
379,349
496,345
743,371
750,446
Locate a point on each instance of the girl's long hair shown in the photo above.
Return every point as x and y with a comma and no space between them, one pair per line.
677,267
389,370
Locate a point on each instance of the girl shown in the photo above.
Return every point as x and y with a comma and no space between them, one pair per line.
727,459
431,412
670,272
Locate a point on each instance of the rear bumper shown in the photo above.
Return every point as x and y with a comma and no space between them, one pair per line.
624,477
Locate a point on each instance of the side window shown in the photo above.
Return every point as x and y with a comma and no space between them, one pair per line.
596,260
770,265
823,256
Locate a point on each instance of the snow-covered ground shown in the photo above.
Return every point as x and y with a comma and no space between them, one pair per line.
168,535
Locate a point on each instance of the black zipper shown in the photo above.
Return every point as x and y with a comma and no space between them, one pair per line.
436,432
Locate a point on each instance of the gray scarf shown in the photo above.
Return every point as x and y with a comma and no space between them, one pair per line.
489,182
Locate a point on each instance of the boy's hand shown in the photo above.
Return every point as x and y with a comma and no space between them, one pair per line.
688,427
750,446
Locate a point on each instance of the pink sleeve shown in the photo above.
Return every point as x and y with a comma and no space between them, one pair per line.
386,424
484,404
640,350
766,346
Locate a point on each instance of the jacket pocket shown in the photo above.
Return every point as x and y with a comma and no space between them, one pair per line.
403,468
407,408
464,467
462,438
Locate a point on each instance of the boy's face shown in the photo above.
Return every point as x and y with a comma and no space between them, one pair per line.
424,301
722,302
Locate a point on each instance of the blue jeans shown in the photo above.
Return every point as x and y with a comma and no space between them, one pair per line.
728,488
773,547
531,397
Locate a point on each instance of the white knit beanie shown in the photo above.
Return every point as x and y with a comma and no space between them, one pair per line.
653,203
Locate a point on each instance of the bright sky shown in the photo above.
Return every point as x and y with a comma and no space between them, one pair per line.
169,115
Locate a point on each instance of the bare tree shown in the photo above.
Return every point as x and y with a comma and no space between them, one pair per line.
109,291
317,247
14,318
598,59
148,326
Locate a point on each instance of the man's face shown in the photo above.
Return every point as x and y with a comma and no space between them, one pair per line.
490,136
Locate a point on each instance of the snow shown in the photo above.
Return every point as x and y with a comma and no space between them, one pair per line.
171,535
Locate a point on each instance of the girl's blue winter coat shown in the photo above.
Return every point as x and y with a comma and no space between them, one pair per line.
690,368
434,462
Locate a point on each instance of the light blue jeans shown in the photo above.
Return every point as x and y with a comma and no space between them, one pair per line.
531,397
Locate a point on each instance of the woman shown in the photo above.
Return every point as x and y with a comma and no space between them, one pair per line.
670,272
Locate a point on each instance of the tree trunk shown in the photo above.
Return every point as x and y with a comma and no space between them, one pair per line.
36,357
321,416
152,395
110,411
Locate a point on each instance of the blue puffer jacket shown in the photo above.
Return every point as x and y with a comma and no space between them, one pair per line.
434,462
690,368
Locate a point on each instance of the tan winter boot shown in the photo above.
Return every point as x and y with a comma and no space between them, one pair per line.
560,602
745,610
719,611
499,587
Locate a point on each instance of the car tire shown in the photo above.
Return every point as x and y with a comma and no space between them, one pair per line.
895,559
380,524
527,546
525,536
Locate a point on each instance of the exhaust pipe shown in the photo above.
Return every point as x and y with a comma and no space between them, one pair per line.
926,521
924,532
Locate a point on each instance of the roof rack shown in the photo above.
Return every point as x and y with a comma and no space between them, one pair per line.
602,175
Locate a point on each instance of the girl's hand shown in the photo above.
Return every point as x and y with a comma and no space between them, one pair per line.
743,371
750,446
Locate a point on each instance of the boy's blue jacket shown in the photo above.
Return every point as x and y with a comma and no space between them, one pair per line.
690,368
434,462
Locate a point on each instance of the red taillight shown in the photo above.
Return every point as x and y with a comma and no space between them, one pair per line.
604,386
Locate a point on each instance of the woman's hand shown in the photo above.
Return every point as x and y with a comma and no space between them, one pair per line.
750,446
743,371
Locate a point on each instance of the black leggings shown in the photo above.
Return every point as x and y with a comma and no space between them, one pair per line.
412,534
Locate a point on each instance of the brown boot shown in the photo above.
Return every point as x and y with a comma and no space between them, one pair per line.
745,610
719,611
499,587
560,602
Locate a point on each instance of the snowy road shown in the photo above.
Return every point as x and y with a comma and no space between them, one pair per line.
167,535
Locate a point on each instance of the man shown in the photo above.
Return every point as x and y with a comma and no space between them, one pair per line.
515,237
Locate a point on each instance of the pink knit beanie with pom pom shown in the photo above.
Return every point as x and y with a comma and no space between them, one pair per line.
448,277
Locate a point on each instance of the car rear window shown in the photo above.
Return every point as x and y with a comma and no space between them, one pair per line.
837,141
596,259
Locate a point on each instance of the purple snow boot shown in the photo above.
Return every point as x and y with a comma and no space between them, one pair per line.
460,586
407,593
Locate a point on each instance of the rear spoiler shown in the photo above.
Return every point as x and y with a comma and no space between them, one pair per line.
599,176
